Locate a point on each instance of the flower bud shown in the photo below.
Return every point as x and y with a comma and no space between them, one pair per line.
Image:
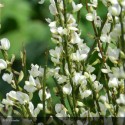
122,54
4,44
3,64
41,1
89,17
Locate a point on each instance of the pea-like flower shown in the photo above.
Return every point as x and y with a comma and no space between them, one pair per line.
35,112
113,82
34,70
76,7
52,7
4,44
7,77
61,111
121,99
21,97
67,89
3,64
47,94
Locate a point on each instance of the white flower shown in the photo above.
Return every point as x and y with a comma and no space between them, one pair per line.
34,70
52,7
92,77
105,38
61,79
118,72
35,111
54,72
3,64
60,110
58,107
85,94
67,89
97,86
56,54
103,98
4,44
90,69
75,39
84,113
41,71
122,3
106,28
47,94
90,16
113,2
30,86
53,27
41,1
71,23
121,99
115,9
79,55
7,102
11,95
121,115
94,3
103,108
7,77
23,98
78,78
113,82
93,17
76,7
113,54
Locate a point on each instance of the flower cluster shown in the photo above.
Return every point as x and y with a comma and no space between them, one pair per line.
20,98
90,80
77,77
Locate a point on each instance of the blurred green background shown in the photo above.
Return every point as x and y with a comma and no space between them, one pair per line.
23,23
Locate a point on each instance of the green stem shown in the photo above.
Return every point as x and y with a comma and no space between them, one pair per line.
67,56
94,98
122,40
79,14
122,32
44,87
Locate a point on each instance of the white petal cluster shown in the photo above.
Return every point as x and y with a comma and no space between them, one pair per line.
121,99
113,54
56,54
14,96
67,89
35,111
76,7
52,8
7,77
93,17
36,70
47,94
61,111
80,54
32,85
82,74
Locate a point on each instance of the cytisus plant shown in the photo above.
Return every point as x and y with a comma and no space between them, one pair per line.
89,79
